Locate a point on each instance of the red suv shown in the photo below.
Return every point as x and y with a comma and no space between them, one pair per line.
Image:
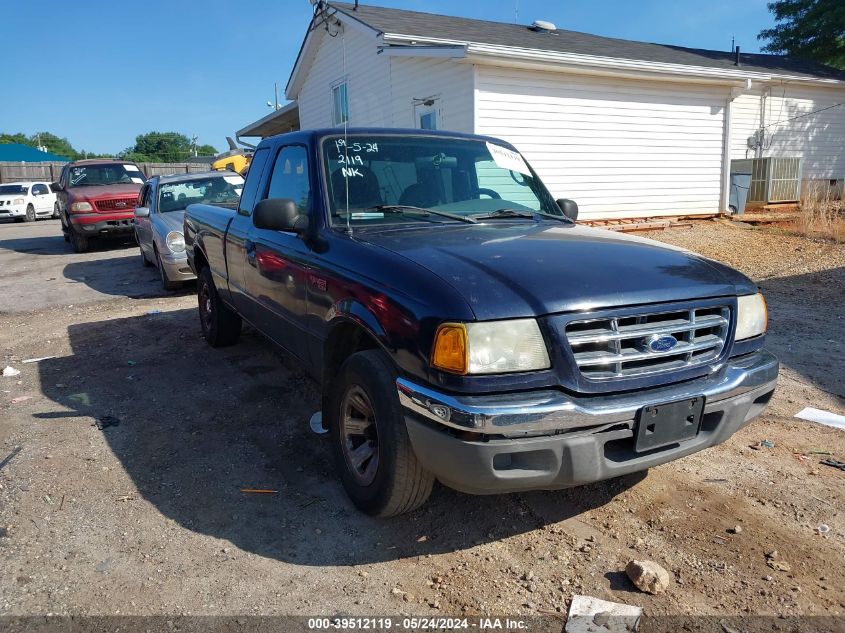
97,199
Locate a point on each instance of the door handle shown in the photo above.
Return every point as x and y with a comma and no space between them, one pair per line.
249,246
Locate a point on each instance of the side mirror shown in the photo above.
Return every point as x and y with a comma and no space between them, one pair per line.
569,208
142,212
55,186
279,214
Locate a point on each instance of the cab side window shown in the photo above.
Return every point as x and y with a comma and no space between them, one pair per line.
290,177
253,179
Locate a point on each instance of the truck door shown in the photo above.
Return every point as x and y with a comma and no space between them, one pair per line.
237,234
277,261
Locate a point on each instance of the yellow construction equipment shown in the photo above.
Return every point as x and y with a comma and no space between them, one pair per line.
237,159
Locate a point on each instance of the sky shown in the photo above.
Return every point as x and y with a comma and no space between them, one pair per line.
101,72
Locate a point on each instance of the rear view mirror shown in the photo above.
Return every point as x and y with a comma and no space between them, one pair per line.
569,208
142,212
279,214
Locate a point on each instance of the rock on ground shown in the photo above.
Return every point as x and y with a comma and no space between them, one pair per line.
648,576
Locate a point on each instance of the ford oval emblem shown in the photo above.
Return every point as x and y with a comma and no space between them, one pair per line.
663,343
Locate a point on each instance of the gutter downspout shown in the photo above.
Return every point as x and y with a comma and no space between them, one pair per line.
725,193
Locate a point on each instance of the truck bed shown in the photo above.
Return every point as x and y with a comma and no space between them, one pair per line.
208,224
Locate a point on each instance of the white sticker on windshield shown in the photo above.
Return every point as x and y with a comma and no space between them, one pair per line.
233,180
508,159
130,168
139,181
238,190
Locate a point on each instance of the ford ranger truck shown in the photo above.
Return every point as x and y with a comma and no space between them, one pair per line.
97,199
462,326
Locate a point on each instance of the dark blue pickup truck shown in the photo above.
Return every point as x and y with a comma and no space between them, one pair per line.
463,328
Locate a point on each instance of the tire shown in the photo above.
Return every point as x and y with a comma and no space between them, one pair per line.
220,325
166,283
30,214
65,230
79,242
392,481
55,215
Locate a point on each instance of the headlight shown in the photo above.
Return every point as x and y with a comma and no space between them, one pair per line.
18,201
175,241
752,317
493,347
80,207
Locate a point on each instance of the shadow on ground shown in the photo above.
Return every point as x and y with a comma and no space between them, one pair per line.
56,245
192,426
121,276
807,326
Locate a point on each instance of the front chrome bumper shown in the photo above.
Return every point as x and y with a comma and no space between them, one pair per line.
550,411
549,440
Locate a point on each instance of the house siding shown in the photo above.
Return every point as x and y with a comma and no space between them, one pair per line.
620,148
446,80
366,73
819,139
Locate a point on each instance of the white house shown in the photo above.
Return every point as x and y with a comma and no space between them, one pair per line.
625,128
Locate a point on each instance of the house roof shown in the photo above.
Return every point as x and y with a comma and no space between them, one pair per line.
19,153
285,119
428,26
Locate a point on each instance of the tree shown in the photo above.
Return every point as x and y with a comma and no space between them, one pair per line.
54,144
206,150
164,147
813,29
14,138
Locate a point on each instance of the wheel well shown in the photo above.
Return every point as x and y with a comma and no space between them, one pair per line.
343,341
199,260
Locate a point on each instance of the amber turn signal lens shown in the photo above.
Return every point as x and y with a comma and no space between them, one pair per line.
450,348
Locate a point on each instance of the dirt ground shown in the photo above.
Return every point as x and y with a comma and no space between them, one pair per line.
121,474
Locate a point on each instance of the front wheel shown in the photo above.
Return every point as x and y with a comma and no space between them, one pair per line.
372,450
30,214
77,241
166,283
221,326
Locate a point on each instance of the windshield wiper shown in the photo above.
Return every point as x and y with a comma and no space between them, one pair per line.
401,208
517,213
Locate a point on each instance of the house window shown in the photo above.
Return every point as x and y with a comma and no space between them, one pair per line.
428,120
340,104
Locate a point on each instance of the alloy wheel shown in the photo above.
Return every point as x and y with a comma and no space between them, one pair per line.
359,435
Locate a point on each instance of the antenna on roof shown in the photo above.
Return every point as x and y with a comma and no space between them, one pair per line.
733,41
516,12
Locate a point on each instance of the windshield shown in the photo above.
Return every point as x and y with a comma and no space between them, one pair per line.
9,190
220,190
97,175
383,178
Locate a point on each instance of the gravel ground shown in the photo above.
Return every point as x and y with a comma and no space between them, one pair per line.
121,475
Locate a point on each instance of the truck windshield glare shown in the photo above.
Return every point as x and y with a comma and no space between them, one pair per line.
459,177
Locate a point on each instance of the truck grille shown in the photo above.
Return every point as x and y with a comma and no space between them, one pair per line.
619,347
115,204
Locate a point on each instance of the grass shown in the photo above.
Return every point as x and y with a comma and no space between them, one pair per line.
822,215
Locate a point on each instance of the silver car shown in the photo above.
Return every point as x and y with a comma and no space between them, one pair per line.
161,210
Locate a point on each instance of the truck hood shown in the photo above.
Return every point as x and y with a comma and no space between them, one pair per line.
99,192
506,269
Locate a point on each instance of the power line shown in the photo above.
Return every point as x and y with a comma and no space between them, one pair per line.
806,114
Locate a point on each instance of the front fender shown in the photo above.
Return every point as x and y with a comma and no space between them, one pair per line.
353,311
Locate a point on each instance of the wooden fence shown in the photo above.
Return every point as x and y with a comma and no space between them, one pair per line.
49,172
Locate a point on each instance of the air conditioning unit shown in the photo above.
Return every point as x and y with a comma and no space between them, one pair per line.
772,179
